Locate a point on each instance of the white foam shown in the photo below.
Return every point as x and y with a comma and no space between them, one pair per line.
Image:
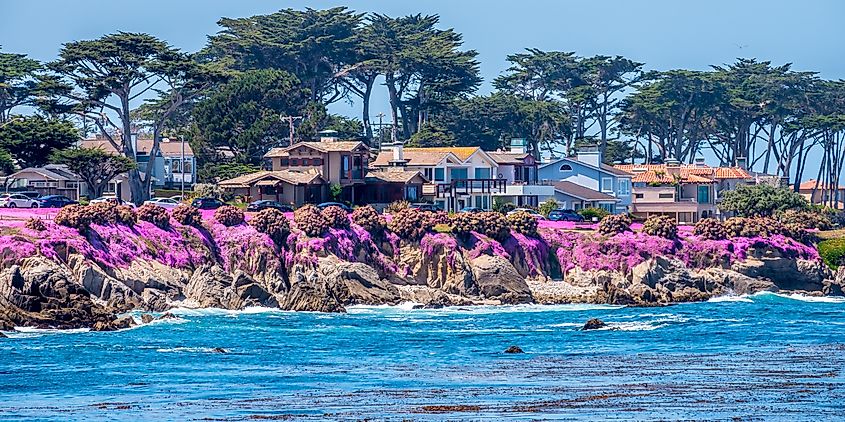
30,332
802,297
182,311
185,350
730,298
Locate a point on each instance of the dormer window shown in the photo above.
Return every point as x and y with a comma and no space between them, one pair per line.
566,167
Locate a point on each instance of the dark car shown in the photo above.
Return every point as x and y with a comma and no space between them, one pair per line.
426,207
565,215
207,203
264,204
55,201
471,210
325,205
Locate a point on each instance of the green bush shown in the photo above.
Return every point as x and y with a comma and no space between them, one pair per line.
523,223
187,215
273,223
614,224
34,223
806,219
464,223
503,206
495,225
229,215
395,207
710,229
547,206
589,213
832,252
309,219
411,224
662,226
752,227
761,200
369,219
336,217
154,214
75,216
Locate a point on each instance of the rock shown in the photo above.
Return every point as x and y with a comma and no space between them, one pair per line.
219,350
356,283
309,292
118,324
497,279
514,349
445,270
428,298
147,318
167,315
3,335
593,324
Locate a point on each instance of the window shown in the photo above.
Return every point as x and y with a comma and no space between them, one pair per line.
317,162
188,166
666,195
703,194
284,162
428,173
482,173
638,196
411,193
566,167
294,162
607,184
345,166
624,187
439,174
607,207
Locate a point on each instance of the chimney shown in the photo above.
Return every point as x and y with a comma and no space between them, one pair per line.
589,155
699,162
518,146
328,136
673,167
398,159
742,163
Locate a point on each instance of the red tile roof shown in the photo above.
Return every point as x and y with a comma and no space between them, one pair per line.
688,173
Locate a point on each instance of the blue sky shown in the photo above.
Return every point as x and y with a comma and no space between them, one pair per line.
661,33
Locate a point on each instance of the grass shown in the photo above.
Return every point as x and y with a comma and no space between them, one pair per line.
831,234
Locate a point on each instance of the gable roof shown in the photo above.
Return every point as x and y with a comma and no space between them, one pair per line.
811,184
395,176
688,173
321,146
288,176
582,192
602,167
57,172
415,157
167,149
508,158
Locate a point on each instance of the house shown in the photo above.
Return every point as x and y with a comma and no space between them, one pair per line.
588,170
341,163
573,196
687,192
57,179
460,176
519,170
391,185
285,186
817,193
174,164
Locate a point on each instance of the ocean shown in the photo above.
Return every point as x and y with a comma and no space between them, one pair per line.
761,357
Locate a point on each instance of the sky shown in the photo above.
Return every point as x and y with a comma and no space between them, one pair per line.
663,34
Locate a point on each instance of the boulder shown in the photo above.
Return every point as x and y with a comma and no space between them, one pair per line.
355,283
593,324
514,350
497,279
446,270
147,318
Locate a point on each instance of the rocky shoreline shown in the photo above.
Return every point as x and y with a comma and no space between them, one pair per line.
88,281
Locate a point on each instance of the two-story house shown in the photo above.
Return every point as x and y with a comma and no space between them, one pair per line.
686,192
587,170
173,166
460,176
519,170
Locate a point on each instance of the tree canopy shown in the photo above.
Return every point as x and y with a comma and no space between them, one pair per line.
95,166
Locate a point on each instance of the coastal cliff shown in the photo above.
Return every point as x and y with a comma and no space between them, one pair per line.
60,277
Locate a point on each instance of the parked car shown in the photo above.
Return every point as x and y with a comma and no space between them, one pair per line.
565,215
113,199
207,203
178,198
325,205
167,203
55,201
31,194
263,204
533,213
17,200
471,210
424,206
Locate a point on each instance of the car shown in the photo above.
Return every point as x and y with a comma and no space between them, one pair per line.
17,200
325,205
471,210
167,203
31,194
263,204
561,214
424,206
178,198
533,213
207,203
113,199
55,201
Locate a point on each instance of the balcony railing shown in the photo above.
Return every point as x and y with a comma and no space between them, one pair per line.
471,186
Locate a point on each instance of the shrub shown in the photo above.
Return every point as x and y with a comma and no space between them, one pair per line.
229,215
439,217
613,224
336,217
369,219
154,214
547,206
36,224
752,227
589,213
103,213
273,223
75,216
503,206
761,200
395,207
832,252
523,222
806,219
309,219
710,229
187,215
411,224
799,233
662,226
464,223
495,225
124,214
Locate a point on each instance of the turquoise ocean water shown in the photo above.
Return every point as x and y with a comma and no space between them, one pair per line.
763,357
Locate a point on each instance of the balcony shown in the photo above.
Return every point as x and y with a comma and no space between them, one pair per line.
470,186
527,190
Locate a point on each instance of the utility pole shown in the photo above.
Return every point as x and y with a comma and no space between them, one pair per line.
182,165
380,128
290,120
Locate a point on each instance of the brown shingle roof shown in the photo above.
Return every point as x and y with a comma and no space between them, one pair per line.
168,149
508,158
412,158
322,146
582,192
390,176
289,176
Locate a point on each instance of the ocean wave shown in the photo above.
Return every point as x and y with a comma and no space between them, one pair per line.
186,350
199,312
30,332
730,298
800,297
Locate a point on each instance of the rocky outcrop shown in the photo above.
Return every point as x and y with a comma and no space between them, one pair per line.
497,279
